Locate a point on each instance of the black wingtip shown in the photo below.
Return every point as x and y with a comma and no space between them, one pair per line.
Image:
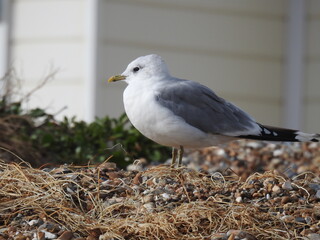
269,133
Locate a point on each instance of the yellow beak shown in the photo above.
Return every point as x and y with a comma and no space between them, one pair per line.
116,78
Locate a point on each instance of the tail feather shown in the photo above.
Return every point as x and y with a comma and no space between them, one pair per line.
269,133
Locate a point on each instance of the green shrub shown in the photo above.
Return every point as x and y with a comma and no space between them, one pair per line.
72,141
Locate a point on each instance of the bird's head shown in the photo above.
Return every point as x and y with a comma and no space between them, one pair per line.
149,67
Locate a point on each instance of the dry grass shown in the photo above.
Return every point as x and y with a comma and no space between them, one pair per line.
33,192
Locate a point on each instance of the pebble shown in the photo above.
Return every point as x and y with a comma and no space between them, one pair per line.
137,179
33,222
277,152
49,235
40,236
300,220
313,236
107,166
159,190
287,218
239,234
218,236
268,196
148,198
314,186
285,200
287,185
318,194
165,196
150,206
276,189
220,152
113,175
66,235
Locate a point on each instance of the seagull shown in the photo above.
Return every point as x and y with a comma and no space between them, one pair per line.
185,114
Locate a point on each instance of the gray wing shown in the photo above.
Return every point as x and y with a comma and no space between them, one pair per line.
200,107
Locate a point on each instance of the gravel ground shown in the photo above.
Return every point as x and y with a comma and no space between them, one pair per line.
243,190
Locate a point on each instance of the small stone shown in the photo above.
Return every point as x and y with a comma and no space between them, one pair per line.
254,144
257,195
20,236
220,152
113,175
233,231
66,235
33,222
287,218
41,236
268,181
287,185
300,220
148,198
2,230
313,236
149,206
239,199
268,196
285,200
165,196
137,179
218,236
135,167
314,186
303,168
107,166
49,235
239,234
276,189
277,152
308,220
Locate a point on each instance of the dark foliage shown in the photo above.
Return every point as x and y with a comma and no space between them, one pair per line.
37,137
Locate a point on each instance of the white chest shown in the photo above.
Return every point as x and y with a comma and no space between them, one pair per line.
143,110
157,122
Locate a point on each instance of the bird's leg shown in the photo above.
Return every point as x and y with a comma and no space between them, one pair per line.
174,156
180,155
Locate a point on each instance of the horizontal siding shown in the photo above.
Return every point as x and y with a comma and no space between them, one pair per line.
312,86
264,112
193,30
256,8
313,46
48,19
312,113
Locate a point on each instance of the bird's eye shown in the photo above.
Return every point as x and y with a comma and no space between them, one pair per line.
136,69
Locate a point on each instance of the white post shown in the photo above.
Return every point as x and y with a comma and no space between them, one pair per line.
91,60
295,65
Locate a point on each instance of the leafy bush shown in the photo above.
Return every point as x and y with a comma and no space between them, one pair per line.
38,137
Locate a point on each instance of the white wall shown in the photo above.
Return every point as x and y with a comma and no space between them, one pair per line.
234,47
48,35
